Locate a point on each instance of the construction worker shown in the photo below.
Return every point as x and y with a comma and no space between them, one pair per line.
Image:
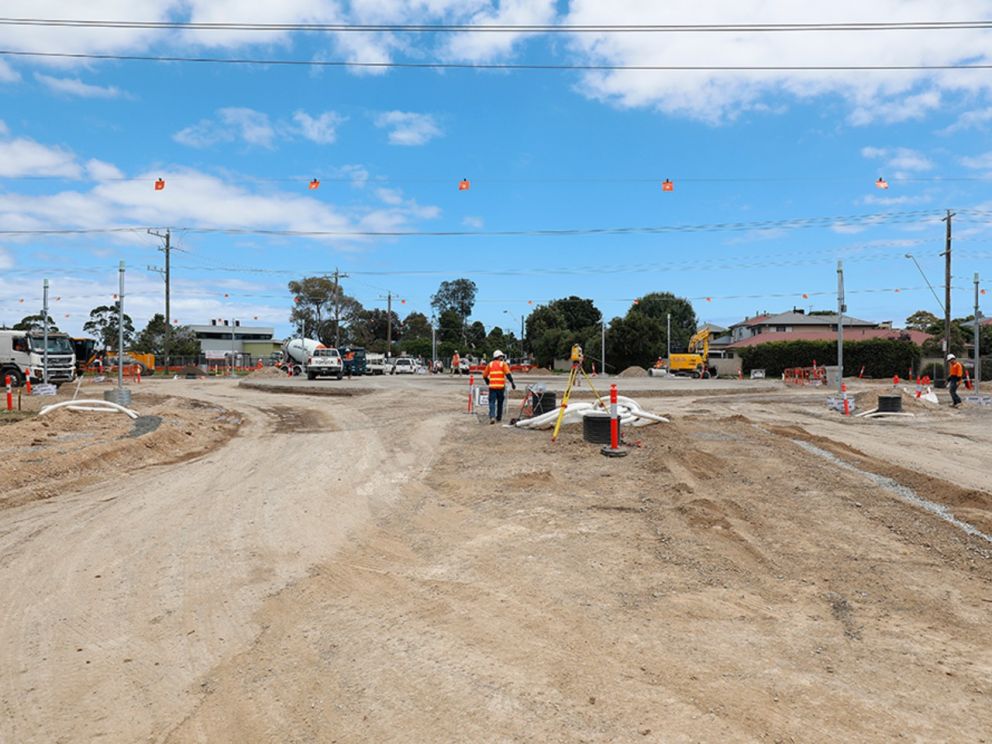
349,362
496,374
955,374
456,363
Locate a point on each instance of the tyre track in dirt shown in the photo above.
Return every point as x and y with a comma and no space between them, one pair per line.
118,599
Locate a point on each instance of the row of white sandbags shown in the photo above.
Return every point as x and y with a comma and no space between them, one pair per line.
628,409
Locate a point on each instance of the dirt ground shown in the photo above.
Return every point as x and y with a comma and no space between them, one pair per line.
385,568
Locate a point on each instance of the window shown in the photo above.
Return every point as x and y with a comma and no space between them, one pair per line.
780,329
20,343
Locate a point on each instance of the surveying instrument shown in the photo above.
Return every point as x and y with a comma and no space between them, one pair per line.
573,376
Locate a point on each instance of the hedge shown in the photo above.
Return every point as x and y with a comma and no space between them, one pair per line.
879,357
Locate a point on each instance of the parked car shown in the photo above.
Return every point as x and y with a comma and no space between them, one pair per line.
403,366
463,366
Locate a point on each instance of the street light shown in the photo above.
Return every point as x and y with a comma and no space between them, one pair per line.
934,293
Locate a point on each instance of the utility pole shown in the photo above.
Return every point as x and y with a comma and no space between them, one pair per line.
44,320
668,357
338,276
433,345
947,292
602,344
389,324
120,335
978,339
841,309
167,249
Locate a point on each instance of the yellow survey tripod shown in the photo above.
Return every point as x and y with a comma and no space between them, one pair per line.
573,376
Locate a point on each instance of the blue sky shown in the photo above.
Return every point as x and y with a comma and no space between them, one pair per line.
82,142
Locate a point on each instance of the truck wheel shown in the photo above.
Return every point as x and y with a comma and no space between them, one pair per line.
16,378
311,376
695,374
297,370
340,375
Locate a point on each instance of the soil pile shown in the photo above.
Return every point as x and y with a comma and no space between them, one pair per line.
268,372
45,456
634,371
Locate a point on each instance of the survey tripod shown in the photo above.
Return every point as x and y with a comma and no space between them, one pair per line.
573,376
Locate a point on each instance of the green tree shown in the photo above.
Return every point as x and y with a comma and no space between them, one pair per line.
151,340
923,320
323,310
416,325
475,336
103,325
552,329
635,340
35,322
457,295
450,332
657,306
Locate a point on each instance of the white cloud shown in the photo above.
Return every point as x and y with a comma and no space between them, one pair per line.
4,131
8,74
79,89
321,129
101,171
978,119
239,124
231,124
476,223
715,96
408,128
897,109
898,161
25,157
479,47
978,162
895,201
6,260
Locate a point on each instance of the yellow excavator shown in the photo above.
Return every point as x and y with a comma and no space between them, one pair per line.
696,362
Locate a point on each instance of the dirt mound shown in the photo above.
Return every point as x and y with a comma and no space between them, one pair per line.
268,372
45,455
190,371
634,371
540,371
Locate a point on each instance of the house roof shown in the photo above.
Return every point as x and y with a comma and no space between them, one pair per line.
713,328
850,334
798,319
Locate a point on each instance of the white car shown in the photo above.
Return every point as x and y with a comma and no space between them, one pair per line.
403,366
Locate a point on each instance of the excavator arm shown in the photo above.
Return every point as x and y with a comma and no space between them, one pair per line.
701,339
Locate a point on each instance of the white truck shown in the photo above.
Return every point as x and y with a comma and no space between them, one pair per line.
305,355
22,355
375,364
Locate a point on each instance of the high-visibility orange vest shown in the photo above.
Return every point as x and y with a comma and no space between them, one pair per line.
956,370
496,372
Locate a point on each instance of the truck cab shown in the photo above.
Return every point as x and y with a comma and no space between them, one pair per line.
22,356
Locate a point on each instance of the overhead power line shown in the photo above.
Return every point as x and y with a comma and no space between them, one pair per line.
563,28
591,67
792,223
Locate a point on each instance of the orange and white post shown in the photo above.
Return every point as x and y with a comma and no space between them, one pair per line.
614,449
10,393
471,390
847,404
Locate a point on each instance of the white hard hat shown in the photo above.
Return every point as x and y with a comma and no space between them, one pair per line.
497,354
950,357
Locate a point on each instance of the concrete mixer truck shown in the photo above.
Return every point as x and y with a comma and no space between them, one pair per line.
304,355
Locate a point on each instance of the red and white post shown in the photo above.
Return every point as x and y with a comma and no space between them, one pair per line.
614,449
10,393
27,381
471,389
847,403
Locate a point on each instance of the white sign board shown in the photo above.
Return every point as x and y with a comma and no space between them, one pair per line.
44,389
216,354
757,374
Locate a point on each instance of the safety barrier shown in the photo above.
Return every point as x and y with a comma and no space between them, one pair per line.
805,376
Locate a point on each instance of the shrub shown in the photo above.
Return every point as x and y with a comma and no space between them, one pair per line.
879,357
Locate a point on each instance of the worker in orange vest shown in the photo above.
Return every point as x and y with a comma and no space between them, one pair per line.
455,363
496,374
349,362
954,376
